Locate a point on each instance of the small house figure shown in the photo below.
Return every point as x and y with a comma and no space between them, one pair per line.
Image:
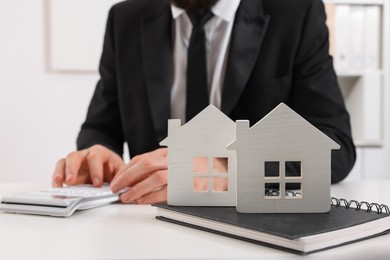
282,151
201,170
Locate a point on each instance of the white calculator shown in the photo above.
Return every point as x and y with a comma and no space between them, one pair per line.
59,202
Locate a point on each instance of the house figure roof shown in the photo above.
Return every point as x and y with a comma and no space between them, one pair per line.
286,126
207,123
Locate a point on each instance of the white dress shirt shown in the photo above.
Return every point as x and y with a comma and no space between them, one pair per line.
218,31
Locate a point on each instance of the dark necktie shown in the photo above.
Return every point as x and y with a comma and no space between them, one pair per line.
197,87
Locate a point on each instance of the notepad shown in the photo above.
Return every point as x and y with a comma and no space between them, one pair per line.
298,233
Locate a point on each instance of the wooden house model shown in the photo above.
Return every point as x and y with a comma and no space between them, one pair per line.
201,170
260,164
280,152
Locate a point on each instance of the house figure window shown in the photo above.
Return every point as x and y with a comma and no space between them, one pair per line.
210,174
283,180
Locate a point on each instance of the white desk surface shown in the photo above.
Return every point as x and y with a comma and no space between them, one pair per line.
131,232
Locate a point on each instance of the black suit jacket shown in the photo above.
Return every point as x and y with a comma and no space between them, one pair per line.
278,53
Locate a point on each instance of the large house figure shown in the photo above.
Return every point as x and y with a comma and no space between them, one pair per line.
280,152
196,152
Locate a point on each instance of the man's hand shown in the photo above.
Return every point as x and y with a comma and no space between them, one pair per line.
96,165
146,176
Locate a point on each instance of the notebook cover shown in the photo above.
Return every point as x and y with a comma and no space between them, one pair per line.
264,243
289,225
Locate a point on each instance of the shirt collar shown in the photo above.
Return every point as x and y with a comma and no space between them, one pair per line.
225,9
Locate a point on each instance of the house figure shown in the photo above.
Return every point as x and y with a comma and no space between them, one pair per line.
282,150
201,170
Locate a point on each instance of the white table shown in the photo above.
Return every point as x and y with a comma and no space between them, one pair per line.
131,232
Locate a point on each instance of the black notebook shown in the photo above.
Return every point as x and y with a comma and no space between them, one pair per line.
303,233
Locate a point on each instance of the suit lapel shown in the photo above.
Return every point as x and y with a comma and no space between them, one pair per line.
247,36
157,57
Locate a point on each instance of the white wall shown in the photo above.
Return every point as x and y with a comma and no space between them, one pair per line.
40,112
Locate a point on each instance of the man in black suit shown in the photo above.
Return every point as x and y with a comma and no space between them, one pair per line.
260,53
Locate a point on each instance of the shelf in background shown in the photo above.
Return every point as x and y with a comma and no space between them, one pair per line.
363,97
357,2
359,73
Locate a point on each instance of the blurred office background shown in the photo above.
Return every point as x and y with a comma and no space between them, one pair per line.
40,109
49,52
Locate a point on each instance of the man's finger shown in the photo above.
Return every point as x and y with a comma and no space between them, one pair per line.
73,162
95,164
125,169
154,182
137,172
59,174
154,197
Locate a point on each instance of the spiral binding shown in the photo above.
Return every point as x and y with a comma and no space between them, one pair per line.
379,208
